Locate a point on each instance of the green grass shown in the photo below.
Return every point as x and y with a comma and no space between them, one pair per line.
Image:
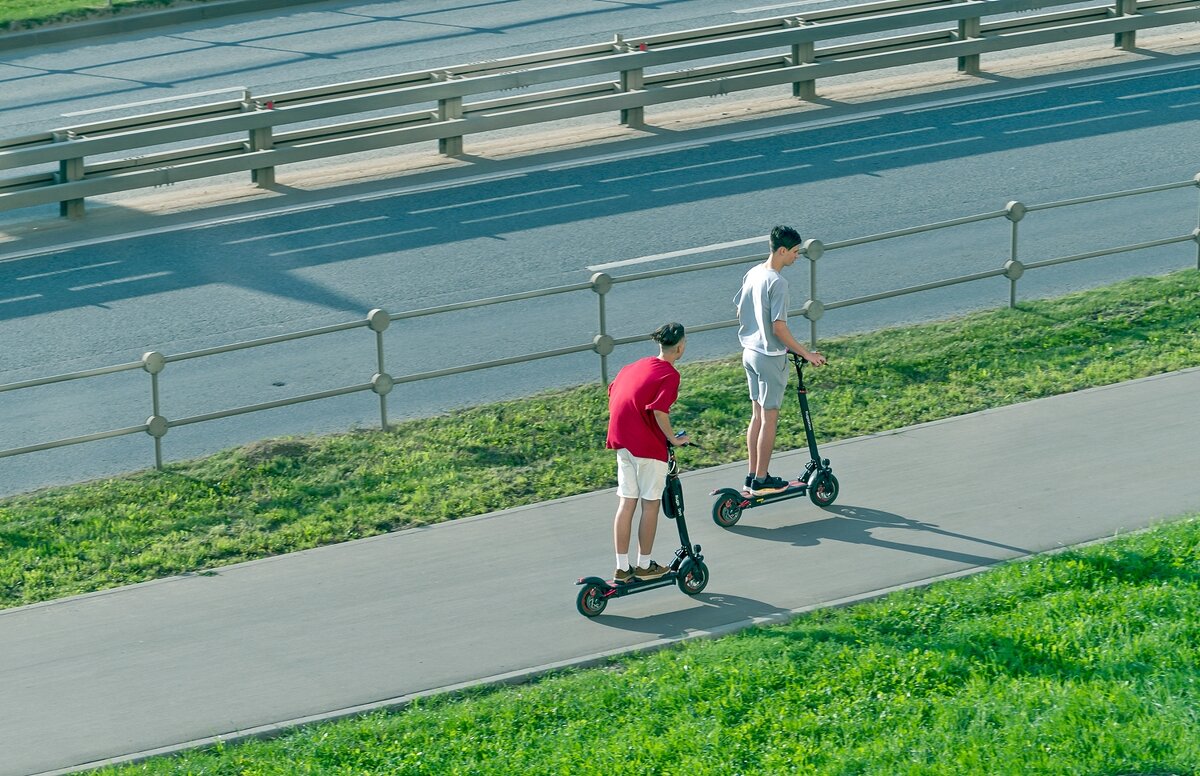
1078,663
292,494
19,14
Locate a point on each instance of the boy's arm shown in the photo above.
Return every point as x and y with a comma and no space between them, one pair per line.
785,336
664,422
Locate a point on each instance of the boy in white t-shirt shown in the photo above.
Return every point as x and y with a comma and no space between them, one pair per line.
762,305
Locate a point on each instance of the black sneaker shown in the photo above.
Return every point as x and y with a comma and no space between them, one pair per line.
768,484
653,571
749,480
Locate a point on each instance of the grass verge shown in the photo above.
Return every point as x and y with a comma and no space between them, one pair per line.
285,495
25,14
1077,663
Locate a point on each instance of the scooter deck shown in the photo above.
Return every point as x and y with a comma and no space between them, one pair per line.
792,486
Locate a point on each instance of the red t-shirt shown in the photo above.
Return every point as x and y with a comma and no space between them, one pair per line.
644,386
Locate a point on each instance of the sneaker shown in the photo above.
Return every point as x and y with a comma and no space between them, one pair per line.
653,571
749,480
623,575
768,484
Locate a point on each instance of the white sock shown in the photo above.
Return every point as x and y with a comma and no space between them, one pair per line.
622,561
643,561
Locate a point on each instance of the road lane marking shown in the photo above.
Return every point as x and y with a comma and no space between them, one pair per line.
352,240
773,171
1078,121
306,230
910,148
1027,112
674,254
544,209
65,271
856,140
1014,96
1156,93
795,4
493,199
20,298
679,169
117,281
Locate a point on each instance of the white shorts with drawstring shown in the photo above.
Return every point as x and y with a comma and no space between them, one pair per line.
642,478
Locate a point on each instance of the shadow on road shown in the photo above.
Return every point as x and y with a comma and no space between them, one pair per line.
714,611
854,525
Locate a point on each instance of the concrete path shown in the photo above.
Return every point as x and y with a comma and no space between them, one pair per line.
320,633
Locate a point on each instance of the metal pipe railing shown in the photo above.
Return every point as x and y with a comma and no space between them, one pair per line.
603,343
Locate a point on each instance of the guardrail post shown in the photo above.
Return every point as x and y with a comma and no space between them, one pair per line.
1013,268
261,139
381,383
1126,41
633,81
69,170
450,109
156,425
804,53
602,283
968,29
813,308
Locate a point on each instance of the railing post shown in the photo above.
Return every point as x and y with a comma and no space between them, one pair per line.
1126,41
261,139
631,81
156,425
603,344
450,109
381,382
1013,268
813,308
1196,233
69,170
803,53
967,30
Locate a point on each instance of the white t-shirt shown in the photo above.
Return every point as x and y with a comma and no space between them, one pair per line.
762,300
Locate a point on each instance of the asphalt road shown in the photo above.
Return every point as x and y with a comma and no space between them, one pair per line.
320,43
354,626
500,227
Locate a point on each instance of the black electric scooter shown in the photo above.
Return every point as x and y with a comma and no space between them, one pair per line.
687,569
817,481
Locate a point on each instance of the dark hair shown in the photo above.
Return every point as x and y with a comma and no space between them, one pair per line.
668,335
784,237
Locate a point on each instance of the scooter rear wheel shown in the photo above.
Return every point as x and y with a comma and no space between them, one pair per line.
591,601
726,511
826,490
693,578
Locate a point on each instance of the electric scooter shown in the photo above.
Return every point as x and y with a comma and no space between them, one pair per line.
817,481
687,570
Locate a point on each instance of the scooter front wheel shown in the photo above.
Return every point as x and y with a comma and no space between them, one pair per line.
825,492
693,577
726,511
591,601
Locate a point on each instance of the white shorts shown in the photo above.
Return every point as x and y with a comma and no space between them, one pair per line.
642,478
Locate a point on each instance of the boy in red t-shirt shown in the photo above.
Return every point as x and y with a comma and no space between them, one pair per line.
639,429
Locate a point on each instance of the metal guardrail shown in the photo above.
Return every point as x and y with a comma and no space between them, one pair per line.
603,343
159,148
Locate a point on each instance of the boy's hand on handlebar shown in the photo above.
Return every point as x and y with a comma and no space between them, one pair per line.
681,438
813,357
